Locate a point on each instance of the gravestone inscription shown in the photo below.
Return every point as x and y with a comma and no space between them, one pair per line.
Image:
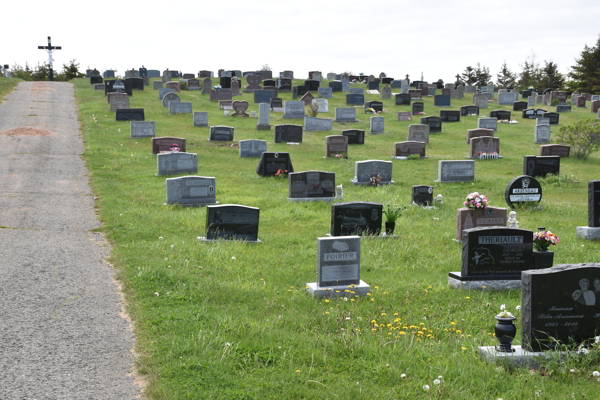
311,185
191,190
356,218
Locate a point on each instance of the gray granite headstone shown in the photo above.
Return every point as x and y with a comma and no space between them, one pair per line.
376,125
487,123
200,118
293,109
317,124
263,117
418,133
336,144
253,148
157,85
456,171
325,92
365,170
168,98
338,261
542,134
140,129
176,163
191,190
345,114
176,107
356,91
322,104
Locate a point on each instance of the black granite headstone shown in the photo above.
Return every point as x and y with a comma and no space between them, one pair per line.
528,113
541,165
500,114
387,81
356,99
496,253
594,204
552,116
222,133
283,84
311,85
269,82
522,189
130,114
298,91
311,184
435,123
375,105
143,72
356,218
519,105
422,195
449,116
276,102
403,99
373,85
336,86
355,136
418,107
232,222
288,133
469,110
96,79
225,82
562,303
271,162
136,83
118,86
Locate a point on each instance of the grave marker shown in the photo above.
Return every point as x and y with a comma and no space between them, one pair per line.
311,186
142,129
221,133
522,189
408,148
177,162
356,218
231,222
164,143
253,148
288,134
271,162
191,190
456,171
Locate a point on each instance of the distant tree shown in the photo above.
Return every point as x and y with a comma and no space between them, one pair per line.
482,74
551,76
585,75
22,73
71,71
266,68
41,72
506,78
469,76
531,75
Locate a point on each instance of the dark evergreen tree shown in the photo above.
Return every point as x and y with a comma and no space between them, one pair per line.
482,75
506,78
586,73
531,76
469,76
71,71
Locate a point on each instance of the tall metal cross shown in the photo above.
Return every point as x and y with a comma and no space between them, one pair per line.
50,49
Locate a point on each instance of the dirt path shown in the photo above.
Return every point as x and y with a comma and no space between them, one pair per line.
61,333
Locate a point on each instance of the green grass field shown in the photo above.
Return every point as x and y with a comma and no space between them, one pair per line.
7,86
230,320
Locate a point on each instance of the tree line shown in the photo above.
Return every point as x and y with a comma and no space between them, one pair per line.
583,77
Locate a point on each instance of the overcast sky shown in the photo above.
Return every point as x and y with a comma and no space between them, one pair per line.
437,38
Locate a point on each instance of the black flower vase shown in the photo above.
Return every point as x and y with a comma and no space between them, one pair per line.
505,333
542,259
389,228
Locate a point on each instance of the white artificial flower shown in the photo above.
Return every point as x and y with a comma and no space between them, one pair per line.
518,308
502,307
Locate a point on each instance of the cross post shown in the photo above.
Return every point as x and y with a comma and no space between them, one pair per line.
50,49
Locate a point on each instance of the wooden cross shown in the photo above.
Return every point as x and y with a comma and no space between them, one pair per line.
50,49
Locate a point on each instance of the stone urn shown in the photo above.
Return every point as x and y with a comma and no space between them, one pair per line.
542,259
505,333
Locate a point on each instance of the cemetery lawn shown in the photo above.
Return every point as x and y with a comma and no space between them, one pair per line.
232,320
7,86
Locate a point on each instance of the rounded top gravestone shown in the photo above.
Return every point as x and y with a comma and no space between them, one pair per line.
523,188
169,97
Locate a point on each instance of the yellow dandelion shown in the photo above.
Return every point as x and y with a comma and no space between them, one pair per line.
368,294
429,287
352,299
463,348
384,314
374,329
376,287
396,313
457,331
326,301
452,323
297,370
385,292
357,330
401,333
372,299
469,336
422,323
467,297
373,321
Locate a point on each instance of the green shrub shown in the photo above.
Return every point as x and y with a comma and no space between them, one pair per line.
583,137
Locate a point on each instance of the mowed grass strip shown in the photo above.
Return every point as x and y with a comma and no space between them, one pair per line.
231,320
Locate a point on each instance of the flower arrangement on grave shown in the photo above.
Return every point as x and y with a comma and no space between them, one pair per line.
487,156
218,87
174,147
544,239
504,313
375,180
420,113
339,156
280,172
371,111
476,201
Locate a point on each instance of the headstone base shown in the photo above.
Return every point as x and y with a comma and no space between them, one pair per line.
194,88
518,358
355,182
305,199
342,121
589,233
380,236
260,127
406,158
204,239
336,291
192,205
484,159
457,281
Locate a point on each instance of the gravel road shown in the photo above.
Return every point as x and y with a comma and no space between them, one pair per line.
61,331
